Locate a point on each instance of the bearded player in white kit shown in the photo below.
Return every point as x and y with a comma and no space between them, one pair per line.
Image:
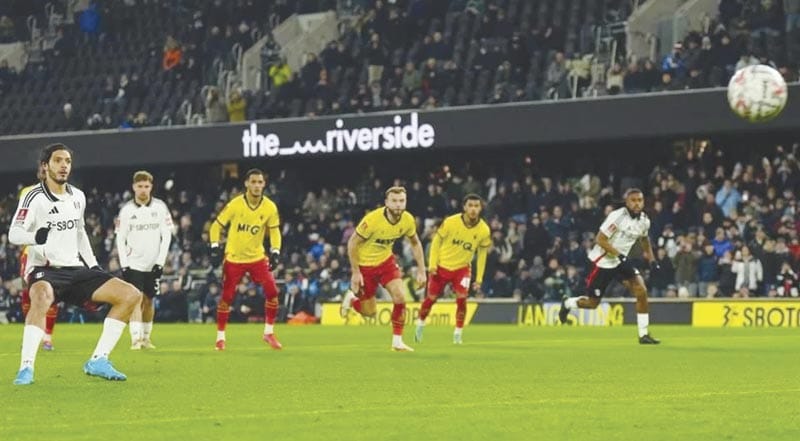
143,238
61,265
622,229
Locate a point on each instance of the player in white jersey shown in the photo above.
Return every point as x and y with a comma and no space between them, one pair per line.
622,229
62,267
143,238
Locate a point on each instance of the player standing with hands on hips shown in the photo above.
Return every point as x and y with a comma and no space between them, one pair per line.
622,228
143,238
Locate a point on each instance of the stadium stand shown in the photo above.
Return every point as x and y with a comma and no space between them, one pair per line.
134,63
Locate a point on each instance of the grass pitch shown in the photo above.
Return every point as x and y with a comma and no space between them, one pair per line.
333,383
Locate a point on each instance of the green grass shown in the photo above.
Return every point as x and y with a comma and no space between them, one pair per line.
334,383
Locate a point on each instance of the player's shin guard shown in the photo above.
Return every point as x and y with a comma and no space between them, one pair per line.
223,312
425,309
270,310
50,319
461,311
398,318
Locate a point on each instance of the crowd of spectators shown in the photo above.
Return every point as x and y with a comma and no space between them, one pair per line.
398,54
724,223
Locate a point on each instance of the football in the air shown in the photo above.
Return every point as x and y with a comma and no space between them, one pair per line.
757,93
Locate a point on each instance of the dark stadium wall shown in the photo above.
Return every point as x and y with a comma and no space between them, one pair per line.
539,124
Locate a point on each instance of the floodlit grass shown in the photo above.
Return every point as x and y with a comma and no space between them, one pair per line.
334,383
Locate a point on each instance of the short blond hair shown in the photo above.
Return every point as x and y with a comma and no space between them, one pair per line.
397,189
142,175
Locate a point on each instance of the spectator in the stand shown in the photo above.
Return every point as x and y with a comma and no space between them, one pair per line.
707,270
651,77
71,121
725,55
748,270
686,268
668,83
673,63
634,79
696,79
7,76
721,243
556,73
309,73
216,111
90,20
412,78
746,59
728,198
787,282
662,275
791,8
439,49
615,78
377,59
172,54
766,20
280,73
210,300
237,106
7,34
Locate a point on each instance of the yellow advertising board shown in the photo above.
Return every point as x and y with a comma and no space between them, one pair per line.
546,314
746,314
442,313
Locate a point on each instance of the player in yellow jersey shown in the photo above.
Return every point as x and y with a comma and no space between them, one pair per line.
372,262
52,312
247,217
454,246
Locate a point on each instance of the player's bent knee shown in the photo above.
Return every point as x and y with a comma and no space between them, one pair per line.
369,308
41,298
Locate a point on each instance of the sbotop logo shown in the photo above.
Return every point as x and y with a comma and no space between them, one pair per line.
342,139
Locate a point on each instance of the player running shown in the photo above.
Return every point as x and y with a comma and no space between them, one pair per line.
621,229
372,262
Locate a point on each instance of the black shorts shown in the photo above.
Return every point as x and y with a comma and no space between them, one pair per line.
74,285
599,278
144,281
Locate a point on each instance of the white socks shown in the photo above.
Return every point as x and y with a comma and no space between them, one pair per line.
643,320
397,340
420,322
136,331
268,329
571,302
31,338
147,329
112,331
458,331
220,335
